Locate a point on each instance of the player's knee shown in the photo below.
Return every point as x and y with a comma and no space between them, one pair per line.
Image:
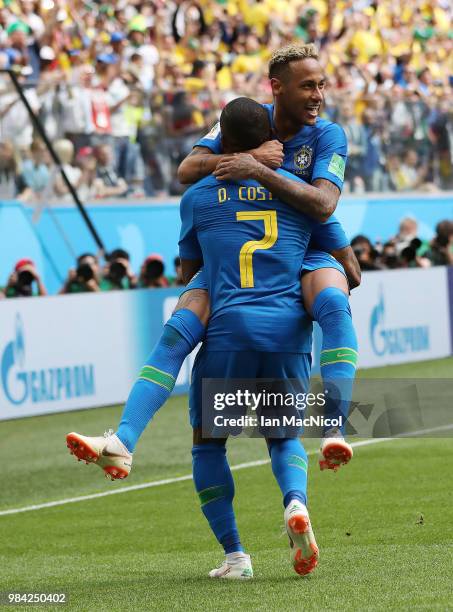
315,282
197,301
331,303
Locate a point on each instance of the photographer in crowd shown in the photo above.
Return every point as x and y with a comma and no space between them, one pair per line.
118,274
152,272
85,277
24,281
440,252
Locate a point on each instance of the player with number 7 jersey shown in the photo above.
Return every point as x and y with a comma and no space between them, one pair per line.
252,245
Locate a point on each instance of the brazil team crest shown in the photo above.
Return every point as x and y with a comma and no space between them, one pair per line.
302,159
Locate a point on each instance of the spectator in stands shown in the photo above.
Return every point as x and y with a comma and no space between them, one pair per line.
34,176
109,185
8,167
152,272
85,277
117,273
413,174
407,232
89,184
365,252
76,102
118,94
440,252
373,169
65,151
357,145
441,129
24,281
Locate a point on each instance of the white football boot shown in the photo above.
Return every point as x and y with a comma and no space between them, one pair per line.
334,452
237,566
304,552
107,451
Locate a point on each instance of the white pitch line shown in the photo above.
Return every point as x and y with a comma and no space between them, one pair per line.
239,466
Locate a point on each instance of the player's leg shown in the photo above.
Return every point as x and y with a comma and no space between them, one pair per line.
211,472
181,334
289,462
325,294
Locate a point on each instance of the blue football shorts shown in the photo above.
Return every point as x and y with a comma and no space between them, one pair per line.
291,371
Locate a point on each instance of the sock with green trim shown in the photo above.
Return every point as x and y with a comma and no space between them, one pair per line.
156,380
289,466
215,487
338,353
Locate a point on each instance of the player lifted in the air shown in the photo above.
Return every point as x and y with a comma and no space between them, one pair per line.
315,150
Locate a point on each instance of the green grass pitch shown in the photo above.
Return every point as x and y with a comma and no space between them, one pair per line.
383,523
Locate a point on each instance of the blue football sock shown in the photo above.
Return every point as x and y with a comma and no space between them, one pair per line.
339,351
215,487
289,465
156,380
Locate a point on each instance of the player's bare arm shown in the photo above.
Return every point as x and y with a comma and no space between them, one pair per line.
318,201
189,268
196,300
201,161
350,264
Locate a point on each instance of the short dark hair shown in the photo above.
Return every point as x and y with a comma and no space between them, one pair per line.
245,123
118,254
361,239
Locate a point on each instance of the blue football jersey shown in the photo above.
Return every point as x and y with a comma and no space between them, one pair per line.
316,151
252,246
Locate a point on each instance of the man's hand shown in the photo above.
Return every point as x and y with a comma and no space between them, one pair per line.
270,153
237,167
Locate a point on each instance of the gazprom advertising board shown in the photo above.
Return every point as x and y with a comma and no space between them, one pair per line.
79,351
402,316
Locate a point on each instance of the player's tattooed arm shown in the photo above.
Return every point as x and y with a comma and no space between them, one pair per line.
348,260
201,161
318,201
196,300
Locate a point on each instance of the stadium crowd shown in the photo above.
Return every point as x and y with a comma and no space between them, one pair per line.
404,250
124,89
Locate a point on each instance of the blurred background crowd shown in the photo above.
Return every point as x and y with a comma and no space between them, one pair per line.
124,89
404,250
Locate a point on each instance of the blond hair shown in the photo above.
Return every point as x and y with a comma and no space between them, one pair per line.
65,150
290,53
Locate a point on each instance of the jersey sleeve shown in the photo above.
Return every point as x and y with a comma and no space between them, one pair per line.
329,236
189,247
212,140
331,155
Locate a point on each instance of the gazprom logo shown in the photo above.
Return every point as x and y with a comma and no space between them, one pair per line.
41,385
395,340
